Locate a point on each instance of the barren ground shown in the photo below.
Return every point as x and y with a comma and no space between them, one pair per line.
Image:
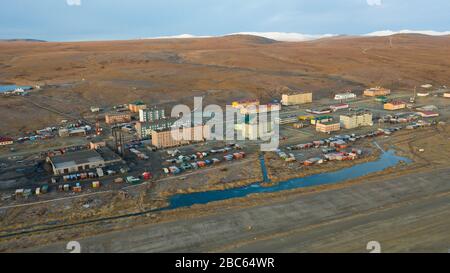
75,76
339,217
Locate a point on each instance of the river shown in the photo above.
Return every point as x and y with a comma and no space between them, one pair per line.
386,160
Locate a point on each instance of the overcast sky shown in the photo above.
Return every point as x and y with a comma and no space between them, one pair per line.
65,20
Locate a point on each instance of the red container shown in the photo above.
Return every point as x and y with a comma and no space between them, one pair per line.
201,164
147,176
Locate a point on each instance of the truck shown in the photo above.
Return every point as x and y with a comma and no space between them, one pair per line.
133,180
186,166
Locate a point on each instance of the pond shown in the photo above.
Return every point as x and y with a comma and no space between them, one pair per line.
7,88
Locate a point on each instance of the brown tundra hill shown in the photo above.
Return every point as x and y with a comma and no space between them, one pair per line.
77,75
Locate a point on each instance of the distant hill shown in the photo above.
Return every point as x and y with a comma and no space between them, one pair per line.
220,69
22,40
250,39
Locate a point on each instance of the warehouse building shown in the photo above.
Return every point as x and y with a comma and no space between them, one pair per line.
376,91
355,120
428,114
150,115
77,131
113,118
296,98
394,105
177,137
328,127
345,96
97,143
82,160
338,107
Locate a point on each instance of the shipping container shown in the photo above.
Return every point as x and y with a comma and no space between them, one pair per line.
201,164
27,192
44,189
19,192
118,180
147,175
228,157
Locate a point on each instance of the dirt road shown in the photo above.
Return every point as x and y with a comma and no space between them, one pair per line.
406,214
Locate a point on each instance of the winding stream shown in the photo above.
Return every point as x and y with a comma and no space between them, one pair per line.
386,160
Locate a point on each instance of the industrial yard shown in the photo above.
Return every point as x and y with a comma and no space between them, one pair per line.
417,181
116,176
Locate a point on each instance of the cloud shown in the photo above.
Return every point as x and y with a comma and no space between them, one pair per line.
278,36
181,36
407,31
73,2
374,2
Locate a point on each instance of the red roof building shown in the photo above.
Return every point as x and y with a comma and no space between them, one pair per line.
428,114
6,141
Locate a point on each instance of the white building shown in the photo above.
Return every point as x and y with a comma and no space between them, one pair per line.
345,96
150,115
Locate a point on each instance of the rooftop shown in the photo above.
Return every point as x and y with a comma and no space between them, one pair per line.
329,123
429,113
356,113
396,102
296,92
247,101
323,117
117,114
3,139
377,88
76,158
138,103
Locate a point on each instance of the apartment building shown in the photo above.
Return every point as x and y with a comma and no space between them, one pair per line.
355,120
150,115
177,137
296,98
113,118
376,91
